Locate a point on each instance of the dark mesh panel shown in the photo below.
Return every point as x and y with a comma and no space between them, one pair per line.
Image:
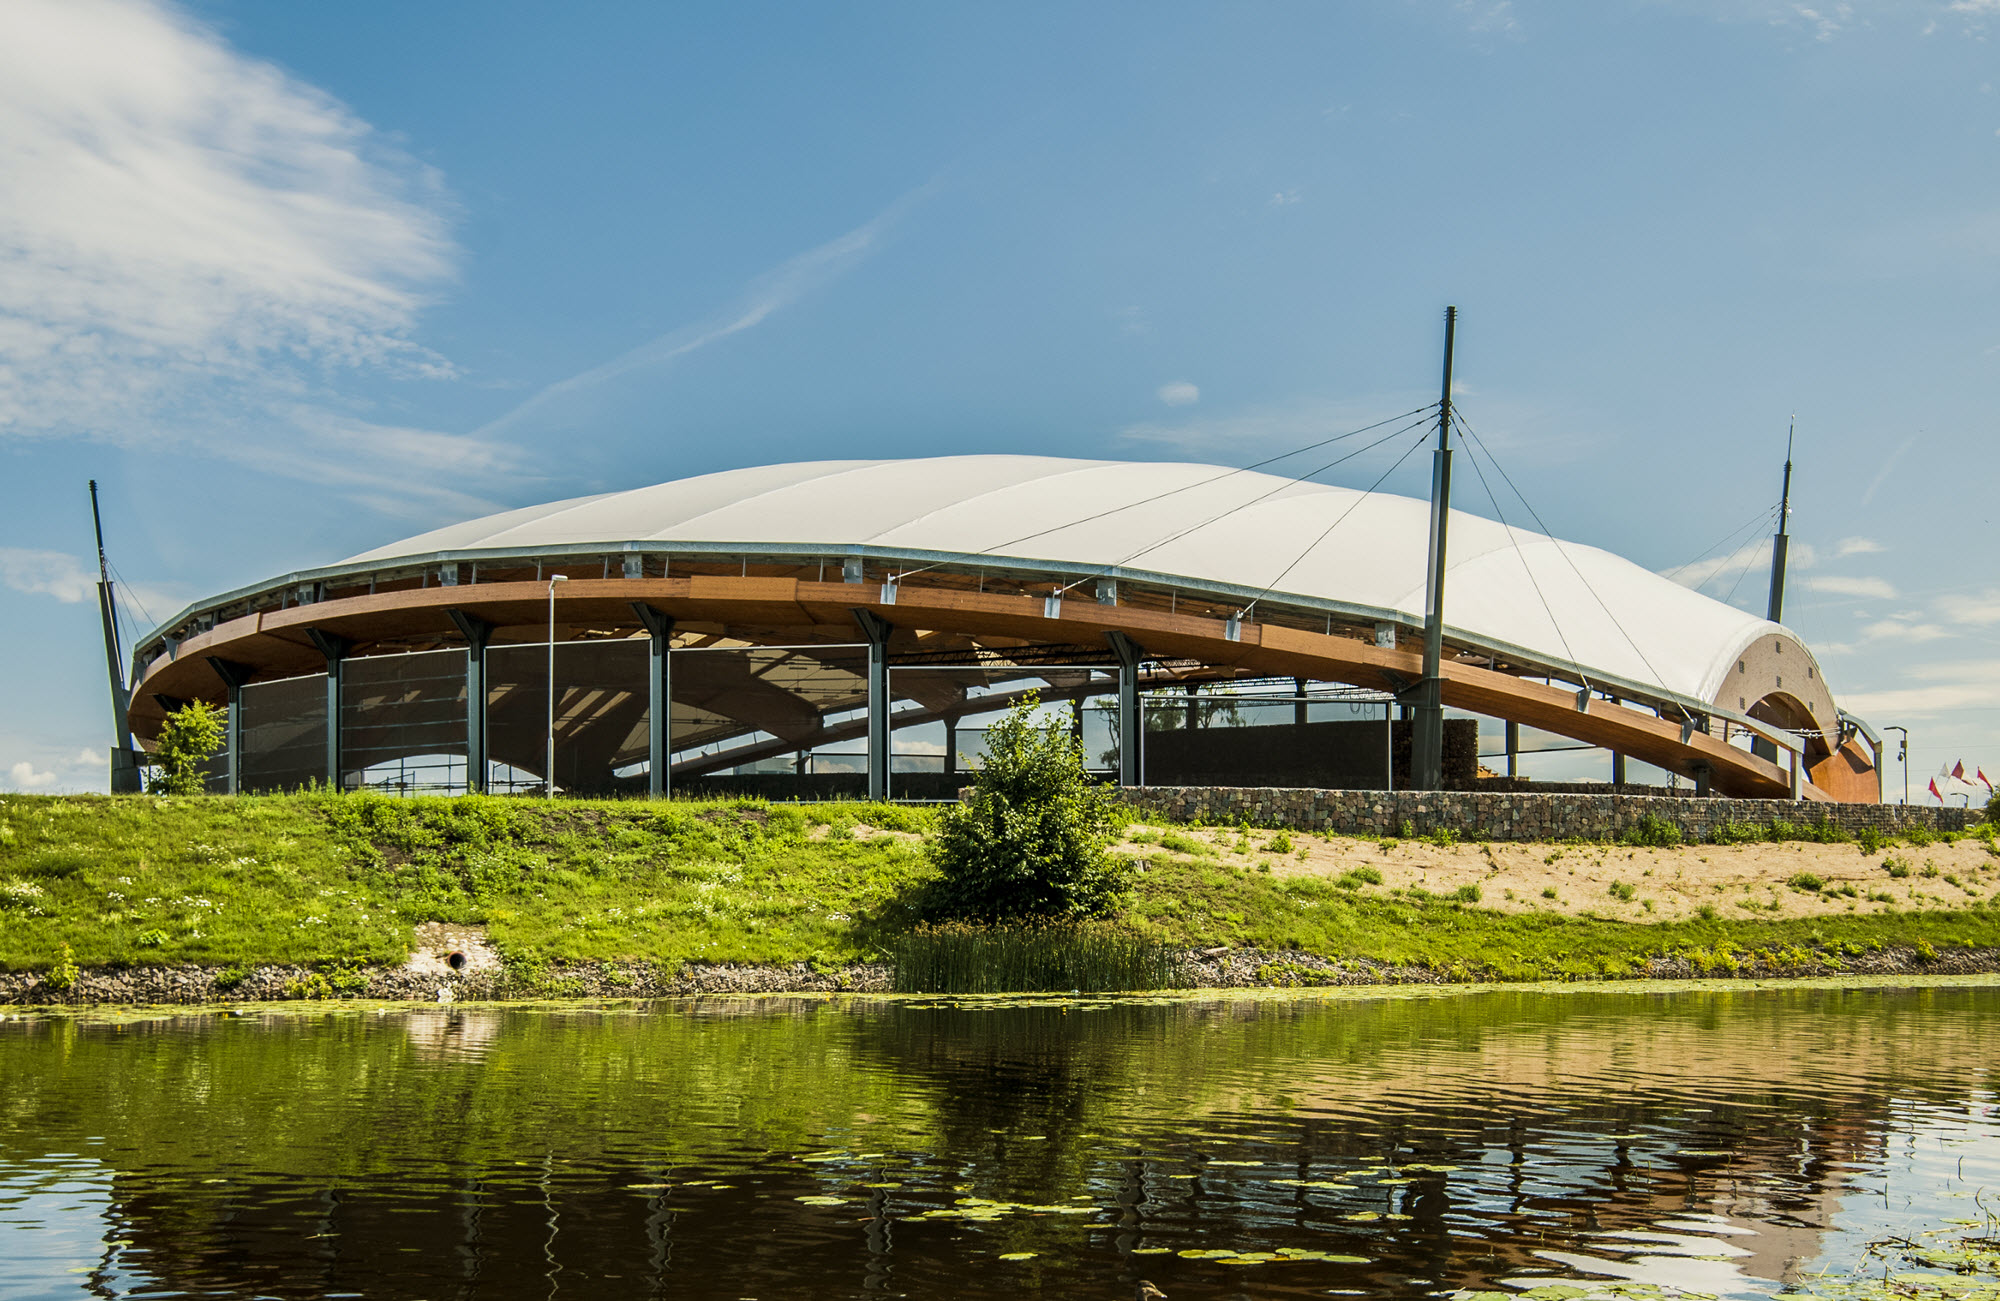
724,696
284,733
601,715
402,722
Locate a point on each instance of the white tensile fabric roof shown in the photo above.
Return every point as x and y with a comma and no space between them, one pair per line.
1202,522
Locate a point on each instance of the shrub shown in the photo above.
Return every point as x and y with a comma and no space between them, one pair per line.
1548,892
1031,840
1356,877
1706,912
1622,891
1897,867
63,972
1466,894
152,939
189,738
1926,953
1872,841
1279,844
1804,881
230,977
1652,831
1735,833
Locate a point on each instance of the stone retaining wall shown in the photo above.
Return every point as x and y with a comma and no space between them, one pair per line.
1504,815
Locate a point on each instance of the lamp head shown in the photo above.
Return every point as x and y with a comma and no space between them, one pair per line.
558,578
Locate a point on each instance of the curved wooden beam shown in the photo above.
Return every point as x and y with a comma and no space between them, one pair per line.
276,644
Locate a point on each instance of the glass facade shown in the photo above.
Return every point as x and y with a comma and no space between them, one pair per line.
403,722
284,734
602,716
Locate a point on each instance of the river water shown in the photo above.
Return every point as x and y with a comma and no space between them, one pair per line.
1628,1141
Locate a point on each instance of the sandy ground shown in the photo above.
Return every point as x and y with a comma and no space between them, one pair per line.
1746,881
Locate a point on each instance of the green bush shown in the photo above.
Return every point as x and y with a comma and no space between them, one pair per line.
1872,841
1652,831
1355,878
1466,894
1623,892
63,972
189,738
1804,881
1031,840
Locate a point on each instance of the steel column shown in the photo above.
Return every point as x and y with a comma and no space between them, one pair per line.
1130,733
233,676
659,700
1513,749
1427,750
477,633
334,648
877,630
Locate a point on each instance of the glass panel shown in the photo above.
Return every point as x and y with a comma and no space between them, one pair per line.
974,697
402,722
1225,737
284,733
783,722
601,713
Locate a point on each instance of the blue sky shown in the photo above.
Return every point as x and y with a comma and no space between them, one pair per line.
292,281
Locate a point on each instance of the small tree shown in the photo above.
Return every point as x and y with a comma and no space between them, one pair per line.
192,735
1031,841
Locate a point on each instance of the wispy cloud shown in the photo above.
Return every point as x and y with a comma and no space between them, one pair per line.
1981,609
1842,585
1719,575
1904,630
765,296
71,580
1251,432
1946,687
1882,475
176,213
1179,393
46,573
1857,547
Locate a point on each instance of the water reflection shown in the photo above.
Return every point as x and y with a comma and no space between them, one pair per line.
1712,1142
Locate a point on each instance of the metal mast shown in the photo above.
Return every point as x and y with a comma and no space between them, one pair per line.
1782,540
1427,748
124,763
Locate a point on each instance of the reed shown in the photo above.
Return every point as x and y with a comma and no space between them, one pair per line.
961,958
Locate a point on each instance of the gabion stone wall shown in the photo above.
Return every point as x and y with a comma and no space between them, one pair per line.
1506,815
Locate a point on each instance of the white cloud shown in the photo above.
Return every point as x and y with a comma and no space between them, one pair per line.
24,776
766,295
1284,198
89,758
1981,609
1902,630
1262,430
1839,585
1719,575
1857,547
1947,687
1179,393
176,213
46,573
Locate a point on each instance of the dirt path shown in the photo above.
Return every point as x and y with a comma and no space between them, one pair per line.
1626,884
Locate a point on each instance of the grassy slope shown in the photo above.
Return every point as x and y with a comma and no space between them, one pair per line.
304,878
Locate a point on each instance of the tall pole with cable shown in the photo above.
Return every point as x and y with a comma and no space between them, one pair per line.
124,763
1781,542
1427,749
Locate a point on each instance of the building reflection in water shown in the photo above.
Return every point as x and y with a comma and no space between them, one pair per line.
1703,1140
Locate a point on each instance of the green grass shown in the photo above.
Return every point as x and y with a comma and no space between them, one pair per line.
343,879
317,877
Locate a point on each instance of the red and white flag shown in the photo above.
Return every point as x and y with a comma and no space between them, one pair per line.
1958,770
1984,780
1935,793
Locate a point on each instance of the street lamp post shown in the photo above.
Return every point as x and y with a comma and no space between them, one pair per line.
549,770
1903,753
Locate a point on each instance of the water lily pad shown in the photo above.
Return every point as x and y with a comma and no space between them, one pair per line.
1152,1251
1362,1216
821,1201
1198,1253
1020,1255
